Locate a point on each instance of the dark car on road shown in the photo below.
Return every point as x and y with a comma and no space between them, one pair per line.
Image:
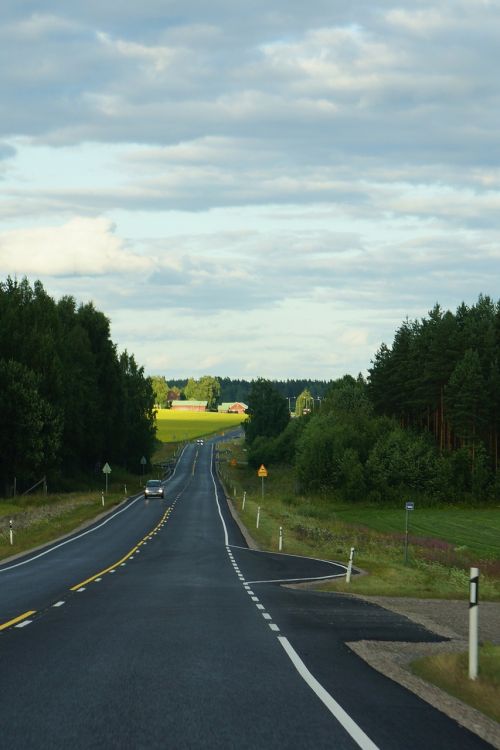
154,488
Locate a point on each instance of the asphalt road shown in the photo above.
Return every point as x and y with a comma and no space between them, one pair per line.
158,628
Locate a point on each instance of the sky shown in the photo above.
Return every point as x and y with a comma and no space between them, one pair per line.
252,190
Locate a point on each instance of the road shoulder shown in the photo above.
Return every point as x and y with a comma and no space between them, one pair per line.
444,618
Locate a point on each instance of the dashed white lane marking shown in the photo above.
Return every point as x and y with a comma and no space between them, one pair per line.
357,734
58,604
97,580
123,565
355,731
79,591
23,624
112,571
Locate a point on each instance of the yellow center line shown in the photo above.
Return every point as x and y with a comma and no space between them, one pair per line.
106,570
17,619
119,562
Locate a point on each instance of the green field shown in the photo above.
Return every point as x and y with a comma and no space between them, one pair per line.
475,529
174,427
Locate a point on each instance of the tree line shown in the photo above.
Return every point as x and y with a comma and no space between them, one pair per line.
224,389
424,424
69,401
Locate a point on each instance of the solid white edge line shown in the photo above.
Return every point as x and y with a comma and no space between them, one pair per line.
226,538
89,531
288,554
350,726
294,580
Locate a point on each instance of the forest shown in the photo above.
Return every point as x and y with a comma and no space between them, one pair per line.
69,401
423,425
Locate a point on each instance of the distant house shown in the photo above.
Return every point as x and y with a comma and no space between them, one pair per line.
232,407
189,405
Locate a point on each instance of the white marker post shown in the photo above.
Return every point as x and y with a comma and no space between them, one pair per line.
102,498
258,518
280,545
473,623
125,489
349,566
11,533
243,503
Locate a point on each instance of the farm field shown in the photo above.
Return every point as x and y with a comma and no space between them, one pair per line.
475,529
174,427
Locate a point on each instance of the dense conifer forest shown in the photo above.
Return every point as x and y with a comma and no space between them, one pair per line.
69,401
424,424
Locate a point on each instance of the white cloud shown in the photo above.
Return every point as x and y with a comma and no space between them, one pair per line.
82,246
307,175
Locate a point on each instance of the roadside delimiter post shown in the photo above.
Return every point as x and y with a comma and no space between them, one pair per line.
349,566
473,623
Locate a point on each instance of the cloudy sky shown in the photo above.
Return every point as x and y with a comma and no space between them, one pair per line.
252,189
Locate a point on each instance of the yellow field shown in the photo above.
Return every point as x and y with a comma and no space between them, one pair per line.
173,427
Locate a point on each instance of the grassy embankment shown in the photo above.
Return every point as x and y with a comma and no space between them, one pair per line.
444,543
38,518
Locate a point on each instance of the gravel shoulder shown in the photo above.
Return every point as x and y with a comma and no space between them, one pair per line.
450,620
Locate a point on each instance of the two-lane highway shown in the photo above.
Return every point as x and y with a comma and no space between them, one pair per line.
190,642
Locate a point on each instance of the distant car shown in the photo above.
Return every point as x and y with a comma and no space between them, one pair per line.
200,441
154,488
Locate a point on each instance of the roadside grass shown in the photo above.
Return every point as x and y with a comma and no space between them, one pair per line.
318,527
39,519
450,673
164,452
174,427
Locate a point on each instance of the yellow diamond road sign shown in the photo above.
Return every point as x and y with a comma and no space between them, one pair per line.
262,472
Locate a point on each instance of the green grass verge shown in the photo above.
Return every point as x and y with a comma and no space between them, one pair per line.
40,519
173,426
450,673
320,527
